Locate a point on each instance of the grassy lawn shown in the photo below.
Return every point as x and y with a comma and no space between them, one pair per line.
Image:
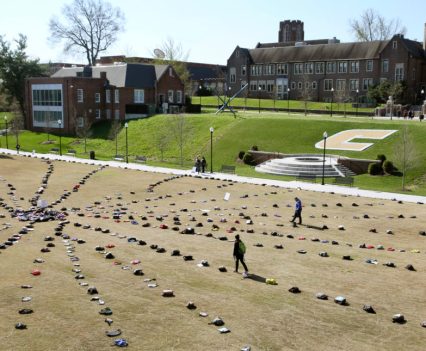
338,107
269,131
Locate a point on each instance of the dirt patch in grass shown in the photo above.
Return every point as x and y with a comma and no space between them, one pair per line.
264,316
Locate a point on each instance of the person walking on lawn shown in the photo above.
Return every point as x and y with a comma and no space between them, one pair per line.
297,210
239,251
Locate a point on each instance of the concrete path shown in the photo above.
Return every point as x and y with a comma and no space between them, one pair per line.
328,188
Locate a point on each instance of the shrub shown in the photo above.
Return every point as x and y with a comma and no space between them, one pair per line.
255,148
381,157
374,168
248,159
388,166
241,154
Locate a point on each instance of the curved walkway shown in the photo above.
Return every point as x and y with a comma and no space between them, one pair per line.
328,188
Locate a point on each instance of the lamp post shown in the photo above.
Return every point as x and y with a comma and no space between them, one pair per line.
258,95
357,101
324,135
423,95
199,93
60,137
7,142
288,100
331,105
126,125
211,149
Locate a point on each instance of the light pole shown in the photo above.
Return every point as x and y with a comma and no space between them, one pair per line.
331,105
357,101
288,100
60,137
7,142
324,135
423,95
258,95
126,125
211,149
199,94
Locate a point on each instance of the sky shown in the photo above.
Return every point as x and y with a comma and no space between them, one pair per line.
208,31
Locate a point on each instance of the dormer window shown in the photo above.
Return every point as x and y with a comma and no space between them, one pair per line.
394,44
170,72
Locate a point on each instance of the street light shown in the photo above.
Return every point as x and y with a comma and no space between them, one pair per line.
199,94
211,149
288,100
258,95
60,137
7,143
331,106
324,135
423,95
357,101
126,125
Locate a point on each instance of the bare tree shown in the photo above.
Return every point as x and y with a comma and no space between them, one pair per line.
405,154
306,93
162,137
181,131
373,26
83,130
16,126
89,26
341,96
114,131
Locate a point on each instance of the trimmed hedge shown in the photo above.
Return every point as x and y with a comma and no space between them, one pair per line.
374,168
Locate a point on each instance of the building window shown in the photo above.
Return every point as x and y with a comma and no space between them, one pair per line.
342,67
97,113
80,95
256,70
117,114
369,67
242,83
328,84
108,96
319,67
314,85
270,86
399,72
385,66
139,96
269,69
298,68
299,85
116,96
243,70
170,96
232,75
367,82
97,98
282,68
340,84
170,72
354,66
309,68
47,97
108,113
80,122
395,44
354,84
253,85
179,96
331,67
293,85
261,85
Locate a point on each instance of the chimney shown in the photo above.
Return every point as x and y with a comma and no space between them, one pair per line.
424,39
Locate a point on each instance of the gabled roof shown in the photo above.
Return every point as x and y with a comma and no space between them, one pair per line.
131,75
414,47
338,51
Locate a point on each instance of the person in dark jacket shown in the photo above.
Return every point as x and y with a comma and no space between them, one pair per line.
203,164
197,164
297,210
239,251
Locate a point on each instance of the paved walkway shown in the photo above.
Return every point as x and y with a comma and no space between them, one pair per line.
328,188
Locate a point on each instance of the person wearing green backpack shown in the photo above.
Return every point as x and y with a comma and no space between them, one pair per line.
239,251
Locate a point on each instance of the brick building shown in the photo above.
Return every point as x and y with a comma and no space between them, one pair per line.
325,69
79,95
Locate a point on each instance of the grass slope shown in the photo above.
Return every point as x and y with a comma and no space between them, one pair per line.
269,131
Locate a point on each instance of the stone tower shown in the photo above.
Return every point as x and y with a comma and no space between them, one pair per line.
291,31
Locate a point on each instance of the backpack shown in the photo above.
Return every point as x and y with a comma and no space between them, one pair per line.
242,248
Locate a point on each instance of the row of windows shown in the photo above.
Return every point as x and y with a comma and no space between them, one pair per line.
340,85
51,97
308,68
47,119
